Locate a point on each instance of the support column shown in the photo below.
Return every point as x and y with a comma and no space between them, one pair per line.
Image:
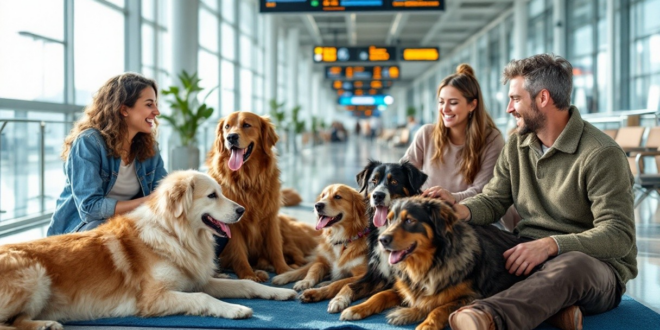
611,58
559,23
520,29
271,57
185,36
292,66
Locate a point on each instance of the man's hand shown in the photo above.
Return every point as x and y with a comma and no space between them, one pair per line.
441,193
522,258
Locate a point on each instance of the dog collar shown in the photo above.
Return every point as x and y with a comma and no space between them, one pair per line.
354,238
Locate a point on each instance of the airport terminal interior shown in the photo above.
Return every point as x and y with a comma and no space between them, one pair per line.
344,81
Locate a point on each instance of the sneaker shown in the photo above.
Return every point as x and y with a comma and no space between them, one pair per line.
569,318
469,318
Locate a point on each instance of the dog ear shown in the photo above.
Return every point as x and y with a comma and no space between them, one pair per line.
415,176
219,144
268,135
359,207
180,197
440,214
364,175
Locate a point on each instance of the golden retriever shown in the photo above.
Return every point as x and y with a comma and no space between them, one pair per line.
242,161
156,260
341,212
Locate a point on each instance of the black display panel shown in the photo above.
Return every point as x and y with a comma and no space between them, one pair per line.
297,6
330,54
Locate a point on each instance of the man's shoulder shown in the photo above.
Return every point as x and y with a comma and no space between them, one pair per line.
594,138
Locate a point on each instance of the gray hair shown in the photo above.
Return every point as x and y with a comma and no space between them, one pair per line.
544,71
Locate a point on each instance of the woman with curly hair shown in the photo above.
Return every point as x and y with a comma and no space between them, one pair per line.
112,161
459,152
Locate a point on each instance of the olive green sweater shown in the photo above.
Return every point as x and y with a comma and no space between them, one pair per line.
579,193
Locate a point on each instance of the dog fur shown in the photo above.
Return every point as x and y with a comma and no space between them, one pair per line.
440,263
243,163
156,260
342,254
381,183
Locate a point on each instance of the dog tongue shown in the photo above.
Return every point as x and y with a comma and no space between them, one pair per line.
396,256
236,160
225,228
380,216
323,221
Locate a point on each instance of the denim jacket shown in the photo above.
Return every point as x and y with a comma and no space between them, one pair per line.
91,172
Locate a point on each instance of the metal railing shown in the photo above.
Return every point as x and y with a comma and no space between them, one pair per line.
20,224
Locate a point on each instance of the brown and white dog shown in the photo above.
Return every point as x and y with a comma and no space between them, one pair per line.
242,161
342,254
156,260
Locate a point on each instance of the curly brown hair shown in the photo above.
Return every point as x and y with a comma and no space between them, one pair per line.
104,115
479,126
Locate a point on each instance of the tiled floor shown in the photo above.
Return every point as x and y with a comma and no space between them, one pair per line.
314,168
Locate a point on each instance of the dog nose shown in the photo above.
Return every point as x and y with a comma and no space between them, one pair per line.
240,210
232,138
319,206
378,196
385,240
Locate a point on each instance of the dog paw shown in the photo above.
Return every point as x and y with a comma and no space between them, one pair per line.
429,326
310,295
49,325
263,276
283,294
338,304
350,314
280,280
303,285
238,312
400,316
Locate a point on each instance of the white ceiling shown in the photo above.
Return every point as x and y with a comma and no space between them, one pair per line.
445,29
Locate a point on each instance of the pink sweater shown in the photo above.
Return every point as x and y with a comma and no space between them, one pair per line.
448,175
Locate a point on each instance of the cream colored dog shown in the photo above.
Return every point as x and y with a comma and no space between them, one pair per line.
156,260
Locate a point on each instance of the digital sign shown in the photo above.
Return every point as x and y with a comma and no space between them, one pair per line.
366,100
297,6
360,107
419,54
359,92
329,54
376,72
361,84
333,54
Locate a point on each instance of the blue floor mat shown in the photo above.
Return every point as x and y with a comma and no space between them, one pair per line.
270,314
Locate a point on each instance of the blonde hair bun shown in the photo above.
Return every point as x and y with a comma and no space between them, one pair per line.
465,68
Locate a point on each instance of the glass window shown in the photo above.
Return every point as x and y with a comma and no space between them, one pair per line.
208,73
32,51
583,55
98,48
228,41
212,4
247,17
246,51
644,51
246,90
148,38
149,10
540,27
227,85
208,30
228,10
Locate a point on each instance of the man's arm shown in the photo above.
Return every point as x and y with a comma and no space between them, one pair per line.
609,184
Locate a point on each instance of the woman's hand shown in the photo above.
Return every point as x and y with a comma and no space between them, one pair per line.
441,193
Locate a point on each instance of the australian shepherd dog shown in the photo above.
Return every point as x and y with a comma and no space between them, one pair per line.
156,260
440,264
380,183
243,162
342,254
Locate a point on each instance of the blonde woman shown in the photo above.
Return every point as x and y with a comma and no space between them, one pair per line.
112,161
459,152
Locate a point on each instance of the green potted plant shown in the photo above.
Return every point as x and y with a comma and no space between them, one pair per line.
186,117
297,126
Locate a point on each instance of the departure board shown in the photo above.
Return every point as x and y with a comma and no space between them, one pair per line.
329,54
334,54
376,72
361,84
359,92
296,6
